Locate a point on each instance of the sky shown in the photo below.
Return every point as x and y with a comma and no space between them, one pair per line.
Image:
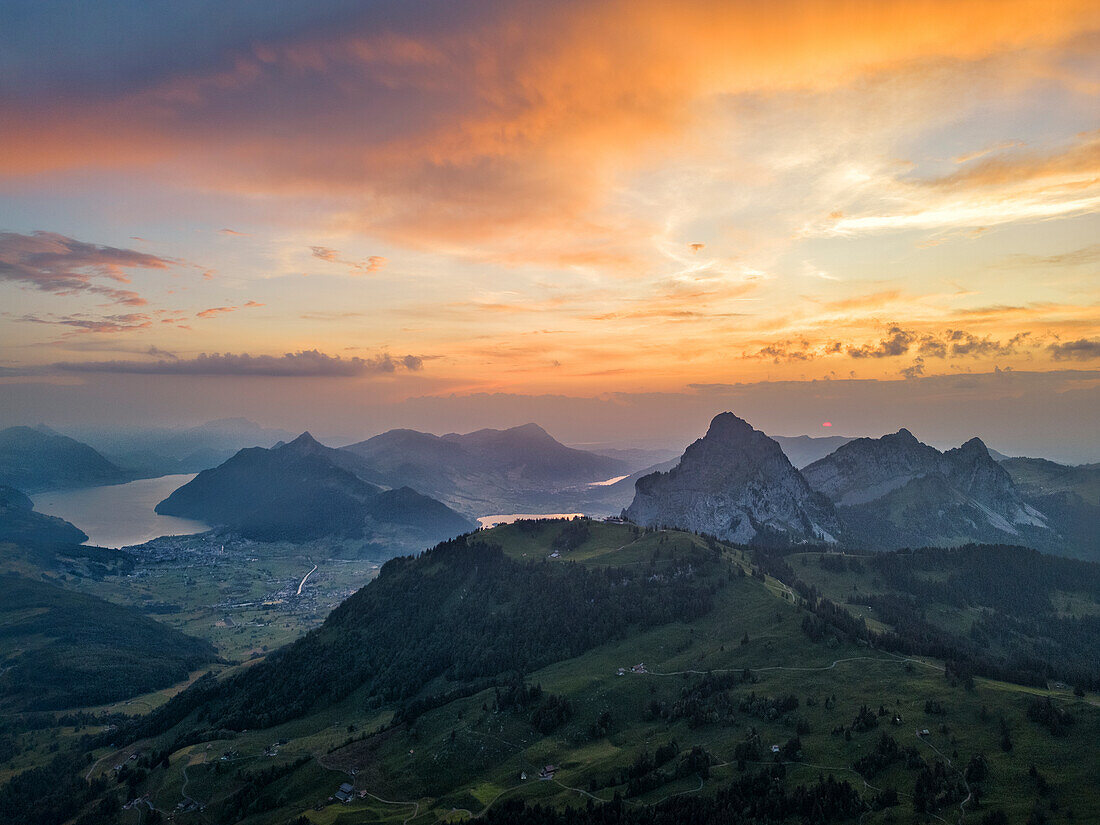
614,218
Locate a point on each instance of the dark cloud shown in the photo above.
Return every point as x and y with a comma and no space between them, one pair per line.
785,352
964,343
55,263
1080,350
895,343
915,370
932,347
307,363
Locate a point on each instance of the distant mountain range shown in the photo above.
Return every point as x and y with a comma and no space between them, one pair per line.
302,490
37,459
487,471
884,493
735,483
158,451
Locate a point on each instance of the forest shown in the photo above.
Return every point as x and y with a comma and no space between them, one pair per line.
462,611
1017,633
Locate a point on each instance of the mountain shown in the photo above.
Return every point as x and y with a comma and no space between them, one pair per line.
19,522
63,649
34,460
303,490
735,483
806,449
487,471
896,491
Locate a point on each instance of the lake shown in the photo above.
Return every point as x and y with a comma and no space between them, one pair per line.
119,515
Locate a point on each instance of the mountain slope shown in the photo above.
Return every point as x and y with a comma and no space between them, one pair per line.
64,649
735,483
33,460
19,523
301,491
1068,495
487,471
895,491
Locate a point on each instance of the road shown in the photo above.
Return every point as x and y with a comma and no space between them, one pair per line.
303,582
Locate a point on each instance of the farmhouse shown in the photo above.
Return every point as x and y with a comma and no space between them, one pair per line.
346,793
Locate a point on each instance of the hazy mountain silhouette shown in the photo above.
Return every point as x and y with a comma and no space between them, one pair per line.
487,471
33,459
303,490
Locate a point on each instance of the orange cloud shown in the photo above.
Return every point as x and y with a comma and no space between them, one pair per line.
213,312
483,116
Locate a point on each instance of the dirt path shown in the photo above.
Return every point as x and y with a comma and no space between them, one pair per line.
405,821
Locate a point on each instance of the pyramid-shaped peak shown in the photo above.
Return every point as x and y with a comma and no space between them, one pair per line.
975,446
905,436
304,442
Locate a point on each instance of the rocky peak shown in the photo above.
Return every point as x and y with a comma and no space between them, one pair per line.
737,484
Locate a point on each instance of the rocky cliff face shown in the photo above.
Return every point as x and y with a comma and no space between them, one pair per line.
735,483
869,468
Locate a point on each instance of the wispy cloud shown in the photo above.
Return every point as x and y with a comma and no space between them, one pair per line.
214,312
372,264
1004,187
51,262
127,322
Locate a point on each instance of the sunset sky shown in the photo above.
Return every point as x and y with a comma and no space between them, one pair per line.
349,216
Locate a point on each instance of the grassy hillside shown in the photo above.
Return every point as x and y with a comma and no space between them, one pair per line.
494,685
62,649
1002,611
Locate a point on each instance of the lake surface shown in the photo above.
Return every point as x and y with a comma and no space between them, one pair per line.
490,521
119,515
